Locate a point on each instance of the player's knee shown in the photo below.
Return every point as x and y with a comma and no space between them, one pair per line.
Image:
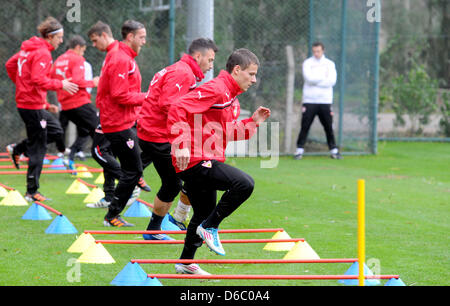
169,191
247,184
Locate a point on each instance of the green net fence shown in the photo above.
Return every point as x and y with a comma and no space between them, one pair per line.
279,32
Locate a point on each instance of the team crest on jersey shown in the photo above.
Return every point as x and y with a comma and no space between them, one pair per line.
43,123
130,143
207,164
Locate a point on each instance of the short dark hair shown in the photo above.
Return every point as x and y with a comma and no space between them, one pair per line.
131,26
242,57
76,40
317,44
202,45
49,25
99,28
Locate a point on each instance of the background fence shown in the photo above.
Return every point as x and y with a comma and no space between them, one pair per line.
279,32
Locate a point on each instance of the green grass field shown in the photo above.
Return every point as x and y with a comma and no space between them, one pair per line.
407,222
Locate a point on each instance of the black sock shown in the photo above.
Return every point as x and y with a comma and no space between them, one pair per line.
155,223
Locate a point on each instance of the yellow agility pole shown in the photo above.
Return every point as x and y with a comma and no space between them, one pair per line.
361,231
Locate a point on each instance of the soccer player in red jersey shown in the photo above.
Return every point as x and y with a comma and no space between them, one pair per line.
78,107
167,86
119,99
30,70
200,124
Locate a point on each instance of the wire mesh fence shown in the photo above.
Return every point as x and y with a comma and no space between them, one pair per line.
279,32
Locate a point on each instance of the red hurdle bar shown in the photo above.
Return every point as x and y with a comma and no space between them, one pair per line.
6,187
243,261
182,241
224,231
51,171
298,277
145,203
86,183
44,166
49,208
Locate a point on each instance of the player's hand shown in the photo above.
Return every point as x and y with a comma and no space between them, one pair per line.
182,157
70,87
53,109
261,114
96,80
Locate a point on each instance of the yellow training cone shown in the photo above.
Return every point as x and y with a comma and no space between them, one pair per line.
78,188
100,179
13,198
280,246
96,254
95,195
81,244
84,173
3,192
301,250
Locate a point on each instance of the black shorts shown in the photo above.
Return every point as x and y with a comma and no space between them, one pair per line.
159,155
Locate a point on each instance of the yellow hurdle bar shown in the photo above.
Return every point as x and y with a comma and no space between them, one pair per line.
361,231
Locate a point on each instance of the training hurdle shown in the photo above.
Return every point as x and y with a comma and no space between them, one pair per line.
267,277
223,231
43,166
94,170
243,261
182,241
127,276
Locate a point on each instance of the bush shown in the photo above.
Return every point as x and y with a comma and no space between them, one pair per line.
414,95
444,123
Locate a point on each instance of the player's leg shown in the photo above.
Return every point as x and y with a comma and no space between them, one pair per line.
36,147
159,153
124,145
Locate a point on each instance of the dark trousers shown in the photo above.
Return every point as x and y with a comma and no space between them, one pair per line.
202,182
103,155
86,120
42,128
125,146
159,154
323,111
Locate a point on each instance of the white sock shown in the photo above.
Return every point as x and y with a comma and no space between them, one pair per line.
181,212
299,151
334,151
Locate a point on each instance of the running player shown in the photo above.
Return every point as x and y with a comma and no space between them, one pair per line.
29,69
78,107
119,98
199,126
166,86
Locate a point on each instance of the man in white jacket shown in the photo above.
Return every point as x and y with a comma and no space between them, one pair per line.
319,74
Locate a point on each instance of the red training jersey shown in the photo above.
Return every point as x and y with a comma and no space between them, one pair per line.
165,88
71,65
119,96
30,70
206,119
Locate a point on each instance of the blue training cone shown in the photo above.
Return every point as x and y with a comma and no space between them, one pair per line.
36,212
166,225
395,282
58,162
137,209
61,225
354,270
151,281
131,275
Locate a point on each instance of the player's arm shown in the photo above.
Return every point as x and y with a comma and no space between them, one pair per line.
11,67
78,74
